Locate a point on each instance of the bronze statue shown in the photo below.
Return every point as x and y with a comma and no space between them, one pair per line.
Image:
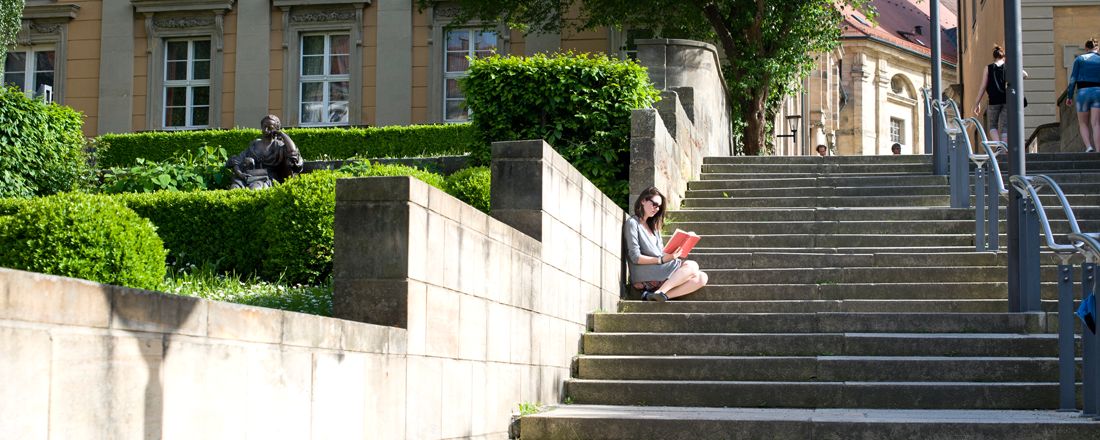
271,158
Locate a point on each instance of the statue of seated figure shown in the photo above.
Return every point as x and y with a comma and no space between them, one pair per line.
271,158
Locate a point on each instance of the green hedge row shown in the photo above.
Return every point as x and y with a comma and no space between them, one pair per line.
41,146
315,143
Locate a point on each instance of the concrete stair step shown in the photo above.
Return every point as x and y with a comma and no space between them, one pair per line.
821,191
818,202
840,275
783,260
884,395
819,368
819,322
822,168
815,344
855,213
937,227
962,241
924,290
990,305
800,175
830,181
911,159
605,422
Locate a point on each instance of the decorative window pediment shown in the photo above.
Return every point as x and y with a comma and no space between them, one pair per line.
154,6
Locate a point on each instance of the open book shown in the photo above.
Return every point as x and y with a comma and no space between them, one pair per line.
683,240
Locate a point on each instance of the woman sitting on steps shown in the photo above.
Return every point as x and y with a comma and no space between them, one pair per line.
659,275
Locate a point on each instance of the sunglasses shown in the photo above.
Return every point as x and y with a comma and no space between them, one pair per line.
655,204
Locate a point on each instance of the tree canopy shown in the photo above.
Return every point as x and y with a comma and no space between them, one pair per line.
768,44
11,15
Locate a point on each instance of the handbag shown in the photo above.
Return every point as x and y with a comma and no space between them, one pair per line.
998,81
1087,313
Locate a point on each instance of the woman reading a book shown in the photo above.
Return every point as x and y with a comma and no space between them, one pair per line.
660,273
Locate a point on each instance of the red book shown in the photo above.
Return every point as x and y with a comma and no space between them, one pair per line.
683,240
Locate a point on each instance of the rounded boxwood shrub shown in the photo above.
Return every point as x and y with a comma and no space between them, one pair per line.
298,228
471,185
83,236
42,146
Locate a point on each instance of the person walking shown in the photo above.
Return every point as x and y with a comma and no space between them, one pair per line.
993,83
1085,78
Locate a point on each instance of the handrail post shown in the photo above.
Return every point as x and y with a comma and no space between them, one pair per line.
1067,359
1027,260
960,173
1088,346
980,242
993,212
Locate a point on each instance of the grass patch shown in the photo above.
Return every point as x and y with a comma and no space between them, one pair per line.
206,283
528,408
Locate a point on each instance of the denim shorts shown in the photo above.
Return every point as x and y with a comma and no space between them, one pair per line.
996,117
1087,99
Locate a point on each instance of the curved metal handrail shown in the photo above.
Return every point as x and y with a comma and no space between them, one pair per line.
1089,244
990,153
1026,187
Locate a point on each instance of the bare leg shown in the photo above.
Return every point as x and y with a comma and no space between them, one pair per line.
1094,124
695,283
1083,126
994,134
687,269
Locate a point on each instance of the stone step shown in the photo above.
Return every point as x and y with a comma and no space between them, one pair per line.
818,368
829,181
765,259
924,290
841,275
989,305
913,159
821,191
819,322
1058,226
861,394
852,214
799,175
815,344
821,168
870,201
604,422
962,240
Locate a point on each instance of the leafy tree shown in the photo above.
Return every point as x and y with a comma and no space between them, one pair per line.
768,43
11,15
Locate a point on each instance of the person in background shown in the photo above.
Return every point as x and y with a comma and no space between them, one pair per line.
822,150
993,83
896,148
660,276
1085,78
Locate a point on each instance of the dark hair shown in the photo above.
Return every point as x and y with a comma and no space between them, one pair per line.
1091,43
658,220
896,145
998,53
821,147
272,118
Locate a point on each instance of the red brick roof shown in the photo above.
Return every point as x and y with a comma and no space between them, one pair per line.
897,22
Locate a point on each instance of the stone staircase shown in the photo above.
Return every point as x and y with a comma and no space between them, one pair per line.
845,301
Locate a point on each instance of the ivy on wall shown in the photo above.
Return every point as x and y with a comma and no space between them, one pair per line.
11,15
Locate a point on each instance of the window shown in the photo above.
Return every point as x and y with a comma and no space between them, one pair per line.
897,130
462,44
30,70
325,79
186,83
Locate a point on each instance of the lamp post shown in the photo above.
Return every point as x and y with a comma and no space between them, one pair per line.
792,122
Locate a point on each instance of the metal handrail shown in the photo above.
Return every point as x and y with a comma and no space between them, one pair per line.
1029,190
990,154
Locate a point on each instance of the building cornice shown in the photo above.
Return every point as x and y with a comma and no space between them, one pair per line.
51,10
952,65
154,6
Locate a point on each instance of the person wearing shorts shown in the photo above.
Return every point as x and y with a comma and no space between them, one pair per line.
1085,79
993,83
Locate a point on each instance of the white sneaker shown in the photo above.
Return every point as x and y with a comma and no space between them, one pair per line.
1089,149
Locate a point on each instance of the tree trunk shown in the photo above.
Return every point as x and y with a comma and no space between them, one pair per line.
756,122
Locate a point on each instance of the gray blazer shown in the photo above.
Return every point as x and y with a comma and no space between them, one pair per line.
640,242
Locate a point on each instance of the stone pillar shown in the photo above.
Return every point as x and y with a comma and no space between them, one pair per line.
116,68
253,74
518,171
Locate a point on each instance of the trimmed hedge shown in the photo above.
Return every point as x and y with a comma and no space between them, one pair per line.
579,103
41,146
83,236
471,185
314,143
298,227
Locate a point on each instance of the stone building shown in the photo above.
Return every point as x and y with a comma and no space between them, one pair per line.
865,96
1053,34
132,65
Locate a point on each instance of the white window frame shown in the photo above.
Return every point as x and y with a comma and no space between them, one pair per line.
442,17
325,78
174,20
190,83
471,52
897,130
30,68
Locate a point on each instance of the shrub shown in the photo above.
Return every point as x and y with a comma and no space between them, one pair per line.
579,103
298,226
83,236
41,146
216,228
471,185
314,143
366,169
188,172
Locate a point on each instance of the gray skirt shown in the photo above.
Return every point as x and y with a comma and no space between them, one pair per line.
653,272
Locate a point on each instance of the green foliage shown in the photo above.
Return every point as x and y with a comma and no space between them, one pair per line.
216,228
366,169
188,172
83,236
579,103
11,14
471,185
769,42
208,283
298,228
41,146
528,408
314,143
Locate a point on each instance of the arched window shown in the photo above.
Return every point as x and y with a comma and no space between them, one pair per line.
901,86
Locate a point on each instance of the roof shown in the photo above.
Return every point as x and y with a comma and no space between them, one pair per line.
905,24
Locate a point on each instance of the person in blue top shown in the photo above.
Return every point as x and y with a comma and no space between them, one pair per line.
661,276
1086,79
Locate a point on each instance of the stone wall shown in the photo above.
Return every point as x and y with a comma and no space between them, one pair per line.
692,120
462,317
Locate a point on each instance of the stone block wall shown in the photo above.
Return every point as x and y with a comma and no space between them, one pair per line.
691,121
